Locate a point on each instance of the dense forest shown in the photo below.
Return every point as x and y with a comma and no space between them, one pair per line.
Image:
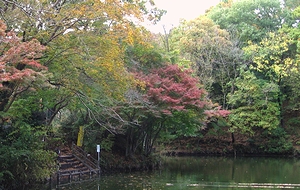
225,82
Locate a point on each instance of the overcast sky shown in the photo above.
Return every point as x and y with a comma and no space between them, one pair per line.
180,9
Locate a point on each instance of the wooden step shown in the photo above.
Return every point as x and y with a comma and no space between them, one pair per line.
72,166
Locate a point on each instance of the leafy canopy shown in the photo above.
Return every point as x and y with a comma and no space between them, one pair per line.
174,89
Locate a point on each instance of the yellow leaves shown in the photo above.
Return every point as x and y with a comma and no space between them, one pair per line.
80,10
92,64
97,44
108,70
117,11
277,69
140,84
270,55
130,37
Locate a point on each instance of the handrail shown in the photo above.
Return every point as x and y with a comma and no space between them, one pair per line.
81,155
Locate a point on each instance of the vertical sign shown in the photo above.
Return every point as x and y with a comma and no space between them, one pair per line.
80,136
98,152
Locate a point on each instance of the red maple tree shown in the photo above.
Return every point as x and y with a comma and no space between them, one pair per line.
18,59
175,89
18,64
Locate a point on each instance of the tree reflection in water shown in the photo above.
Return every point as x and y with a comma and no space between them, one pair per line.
205,172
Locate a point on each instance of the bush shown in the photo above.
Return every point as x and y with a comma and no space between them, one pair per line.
277,142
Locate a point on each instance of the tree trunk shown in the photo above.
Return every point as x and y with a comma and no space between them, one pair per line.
233,144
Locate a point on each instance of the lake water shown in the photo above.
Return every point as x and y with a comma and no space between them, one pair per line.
204,173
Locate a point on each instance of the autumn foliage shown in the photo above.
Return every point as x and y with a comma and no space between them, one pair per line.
175,89
18,59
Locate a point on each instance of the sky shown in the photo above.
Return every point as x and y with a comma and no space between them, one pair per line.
180,9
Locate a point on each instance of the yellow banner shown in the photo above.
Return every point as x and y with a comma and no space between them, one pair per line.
80,136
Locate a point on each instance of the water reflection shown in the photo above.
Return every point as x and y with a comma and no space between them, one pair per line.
205,173
242,170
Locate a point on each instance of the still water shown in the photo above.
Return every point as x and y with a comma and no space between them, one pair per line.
204,173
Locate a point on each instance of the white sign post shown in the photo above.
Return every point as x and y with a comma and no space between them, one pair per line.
98,152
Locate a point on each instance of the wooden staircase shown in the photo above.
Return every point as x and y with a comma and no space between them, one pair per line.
76,165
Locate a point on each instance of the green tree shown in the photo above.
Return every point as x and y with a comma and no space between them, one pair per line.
143,57
85,59
164,93
24,160
23,155
254,104
19,68
213,53
292,4
275,60
294,33
250,20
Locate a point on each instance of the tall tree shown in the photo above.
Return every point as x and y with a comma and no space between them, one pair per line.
254,104
213,52
23,157
166,92
66,27
273,58
85,56
19,66
46,20
250,20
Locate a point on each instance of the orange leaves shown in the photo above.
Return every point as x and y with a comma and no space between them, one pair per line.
18,59
2,29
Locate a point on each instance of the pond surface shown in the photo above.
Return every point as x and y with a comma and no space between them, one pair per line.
204,173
